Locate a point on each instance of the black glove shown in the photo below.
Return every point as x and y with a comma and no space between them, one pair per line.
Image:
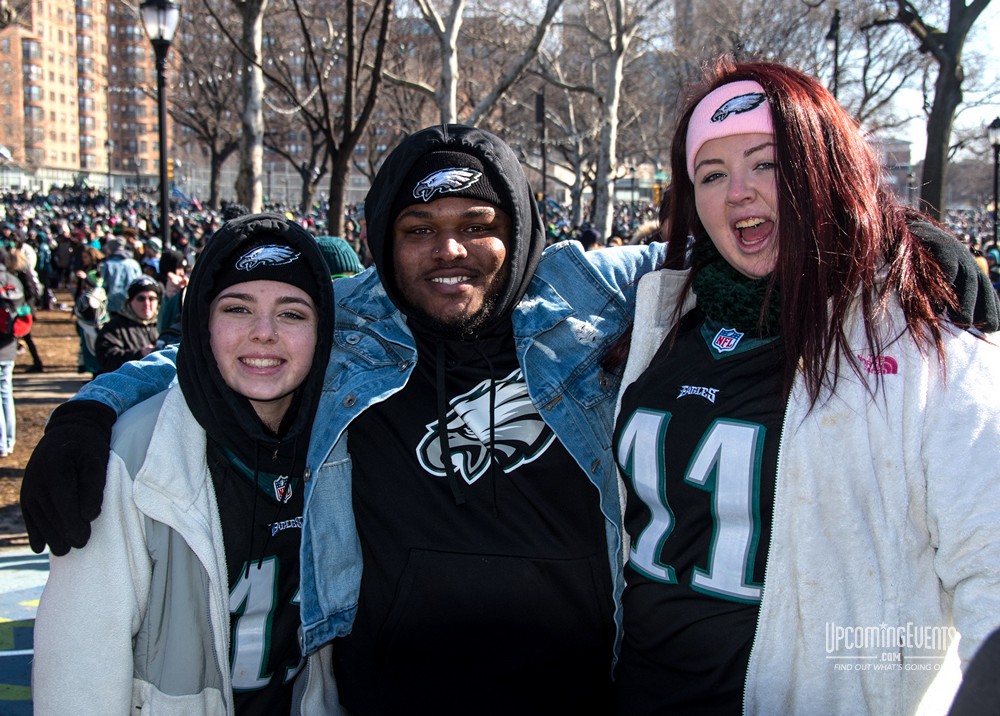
63,484
978,302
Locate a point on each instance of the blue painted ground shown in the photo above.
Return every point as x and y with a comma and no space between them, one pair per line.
22,577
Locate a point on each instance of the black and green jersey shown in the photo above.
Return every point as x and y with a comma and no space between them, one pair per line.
262,530
697,441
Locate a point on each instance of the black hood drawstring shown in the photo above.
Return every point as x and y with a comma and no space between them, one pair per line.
253,512
281,503
442,411
442,416
493,423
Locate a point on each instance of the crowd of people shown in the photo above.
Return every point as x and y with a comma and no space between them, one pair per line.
525,477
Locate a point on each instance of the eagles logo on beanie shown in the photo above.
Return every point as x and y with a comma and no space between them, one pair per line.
443,174
264,258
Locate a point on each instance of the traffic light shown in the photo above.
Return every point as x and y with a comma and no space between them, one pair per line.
170,170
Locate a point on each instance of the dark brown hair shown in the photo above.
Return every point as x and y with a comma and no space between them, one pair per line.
842,236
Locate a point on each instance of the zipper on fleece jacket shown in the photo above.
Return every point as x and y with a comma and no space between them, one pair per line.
770,547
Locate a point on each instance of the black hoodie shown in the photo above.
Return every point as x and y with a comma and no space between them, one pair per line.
486,587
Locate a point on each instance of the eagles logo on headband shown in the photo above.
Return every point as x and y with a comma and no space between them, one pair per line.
734,108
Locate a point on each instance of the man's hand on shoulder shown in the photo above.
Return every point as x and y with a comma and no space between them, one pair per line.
63,485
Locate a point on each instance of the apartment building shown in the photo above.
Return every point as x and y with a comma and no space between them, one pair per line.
77,97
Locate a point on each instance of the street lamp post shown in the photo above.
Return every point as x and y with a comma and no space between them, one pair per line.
110,147
993,132
160,18
833,42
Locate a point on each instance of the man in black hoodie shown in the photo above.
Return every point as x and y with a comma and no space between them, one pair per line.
475,479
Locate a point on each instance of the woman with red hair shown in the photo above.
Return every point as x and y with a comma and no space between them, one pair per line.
807,426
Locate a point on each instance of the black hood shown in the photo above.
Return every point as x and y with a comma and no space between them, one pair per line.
528,238
227,417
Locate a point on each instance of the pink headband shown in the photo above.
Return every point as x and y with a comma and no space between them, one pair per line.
735,108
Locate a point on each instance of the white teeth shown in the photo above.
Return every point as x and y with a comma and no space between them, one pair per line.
261,362
450,280
748,223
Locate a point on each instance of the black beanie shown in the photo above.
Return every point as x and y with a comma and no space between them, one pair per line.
142,284
264,258
445,174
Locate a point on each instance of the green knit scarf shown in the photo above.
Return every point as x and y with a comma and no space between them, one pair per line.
729,297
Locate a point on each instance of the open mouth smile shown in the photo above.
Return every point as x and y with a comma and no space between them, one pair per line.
753,230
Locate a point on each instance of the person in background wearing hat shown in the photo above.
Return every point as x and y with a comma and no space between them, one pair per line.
807,439
340,257
151,252
17,264
992,254
12,290
118,270
152,248
131,332
173,276
464,428
185,600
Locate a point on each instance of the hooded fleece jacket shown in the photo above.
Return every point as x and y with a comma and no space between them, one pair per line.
139,619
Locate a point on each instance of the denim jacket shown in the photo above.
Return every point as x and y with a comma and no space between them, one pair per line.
576,307
579,303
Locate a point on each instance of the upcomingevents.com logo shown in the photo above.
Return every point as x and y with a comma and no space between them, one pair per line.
908,647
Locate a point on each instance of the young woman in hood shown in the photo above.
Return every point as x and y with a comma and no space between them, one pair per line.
186,599
805,437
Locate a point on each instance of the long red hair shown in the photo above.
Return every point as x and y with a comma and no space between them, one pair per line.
842,235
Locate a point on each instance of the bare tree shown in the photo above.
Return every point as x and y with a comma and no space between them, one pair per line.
331,87
610,26
945,47
446,29
206,95
248,44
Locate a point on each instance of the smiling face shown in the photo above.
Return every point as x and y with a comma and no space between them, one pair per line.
450,259
735,192
263,336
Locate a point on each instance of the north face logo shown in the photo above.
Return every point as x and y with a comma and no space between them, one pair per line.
520,434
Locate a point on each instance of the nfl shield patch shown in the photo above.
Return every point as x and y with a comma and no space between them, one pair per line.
726,340
282,489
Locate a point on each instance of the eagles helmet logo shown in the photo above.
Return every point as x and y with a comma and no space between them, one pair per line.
738,105
269,255
445,180
520,434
